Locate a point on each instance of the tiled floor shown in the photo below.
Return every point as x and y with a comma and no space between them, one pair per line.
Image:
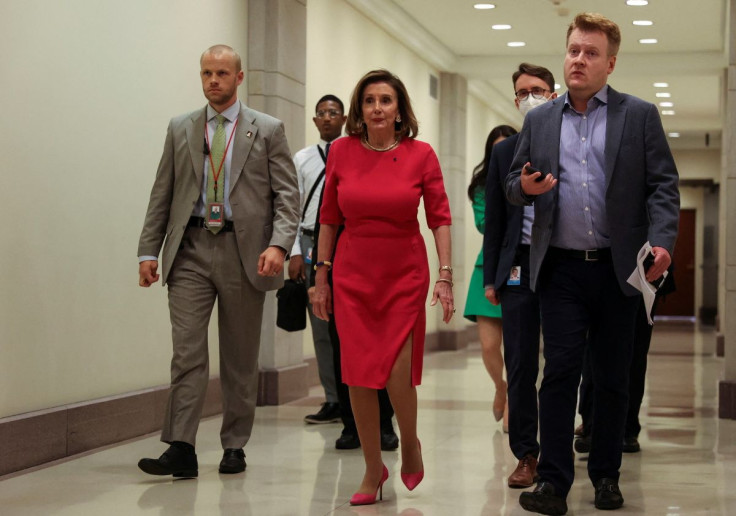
687,458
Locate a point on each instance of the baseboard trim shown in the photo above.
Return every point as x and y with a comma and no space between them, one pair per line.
35,438
727,400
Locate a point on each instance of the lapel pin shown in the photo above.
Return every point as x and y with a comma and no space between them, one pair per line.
249,134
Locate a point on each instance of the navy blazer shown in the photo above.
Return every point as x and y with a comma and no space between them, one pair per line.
642,195
503,220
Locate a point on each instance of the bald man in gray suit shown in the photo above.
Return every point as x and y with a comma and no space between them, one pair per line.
225,208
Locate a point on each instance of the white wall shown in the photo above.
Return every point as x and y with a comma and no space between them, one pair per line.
88,88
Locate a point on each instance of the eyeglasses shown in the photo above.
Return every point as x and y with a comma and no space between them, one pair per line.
333,113
537,93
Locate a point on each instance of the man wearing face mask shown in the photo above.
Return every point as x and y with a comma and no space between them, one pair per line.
505,249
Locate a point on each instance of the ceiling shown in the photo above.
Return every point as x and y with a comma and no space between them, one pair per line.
690,54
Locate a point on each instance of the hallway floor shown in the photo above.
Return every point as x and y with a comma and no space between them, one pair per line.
687,455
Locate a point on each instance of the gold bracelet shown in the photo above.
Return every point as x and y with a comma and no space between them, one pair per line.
443,280
447,268
321,264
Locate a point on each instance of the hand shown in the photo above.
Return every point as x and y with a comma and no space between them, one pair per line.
443,292
662,260
322,298
147,273
271,261
530,186
296,268
311,292
492,297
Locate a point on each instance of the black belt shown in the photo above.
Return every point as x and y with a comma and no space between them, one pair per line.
199,222
589,255
308,232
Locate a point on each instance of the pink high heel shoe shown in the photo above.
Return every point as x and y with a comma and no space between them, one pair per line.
412,480
369,499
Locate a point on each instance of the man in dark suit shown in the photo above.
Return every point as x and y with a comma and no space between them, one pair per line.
223,159
610,186
506,243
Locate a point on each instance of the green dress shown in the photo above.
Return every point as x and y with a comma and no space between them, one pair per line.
476,303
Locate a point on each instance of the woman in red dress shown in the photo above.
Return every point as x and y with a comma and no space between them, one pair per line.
375,180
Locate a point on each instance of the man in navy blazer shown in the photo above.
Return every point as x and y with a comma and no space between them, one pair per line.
506,242
610,186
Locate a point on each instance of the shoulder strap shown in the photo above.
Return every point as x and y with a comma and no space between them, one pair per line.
316,183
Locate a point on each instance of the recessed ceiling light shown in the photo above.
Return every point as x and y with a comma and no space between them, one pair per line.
501,26
484,6
515,44
663,95
643,23
647,41
636,2
661,85
668,112
666,104
557,86
673,135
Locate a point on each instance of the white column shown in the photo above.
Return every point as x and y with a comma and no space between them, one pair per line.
453,123
276,75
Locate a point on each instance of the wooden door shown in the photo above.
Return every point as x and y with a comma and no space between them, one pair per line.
682,301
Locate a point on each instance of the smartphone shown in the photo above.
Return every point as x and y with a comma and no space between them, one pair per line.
648,262
531,170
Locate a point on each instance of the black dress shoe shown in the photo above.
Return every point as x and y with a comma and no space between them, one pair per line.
389,440
582,444
347,441
544,500
631,445
607,494
329,413
176,461
233,461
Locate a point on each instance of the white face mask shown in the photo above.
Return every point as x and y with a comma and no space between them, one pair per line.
530,103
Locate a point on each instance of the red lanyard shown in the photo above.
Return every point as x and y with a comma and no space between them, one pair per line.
216,175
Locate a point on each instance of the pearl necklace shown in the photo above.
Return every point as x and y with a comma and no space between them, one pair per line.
385,149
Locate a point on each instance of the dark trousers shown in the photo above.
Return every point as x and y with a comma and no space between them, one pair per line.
637,378
343,394
521,325
578,297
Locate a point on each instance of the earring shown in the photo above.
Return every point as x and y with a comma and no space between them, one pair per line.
398,119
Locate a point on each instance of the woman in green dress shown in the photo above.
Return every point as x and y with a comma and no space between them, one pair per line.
477,307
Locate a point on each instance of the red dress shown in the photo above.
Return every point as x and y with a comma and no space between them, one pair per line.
380,272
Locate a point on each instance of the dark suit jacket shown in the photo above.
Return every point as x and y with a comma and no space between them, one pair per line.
503,220
642,196
264,193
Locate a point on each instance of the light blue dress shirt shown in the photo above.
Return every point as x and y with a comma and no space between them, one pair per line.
581,221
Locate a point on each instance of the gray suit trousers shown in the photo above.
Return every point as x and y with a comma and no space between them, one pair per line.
207,267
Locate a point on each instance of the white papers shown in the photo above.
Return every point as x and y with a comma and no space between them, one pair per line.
639,281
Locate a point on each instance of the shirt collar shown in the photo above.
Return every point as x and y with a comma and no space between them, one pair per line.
230,114
601,96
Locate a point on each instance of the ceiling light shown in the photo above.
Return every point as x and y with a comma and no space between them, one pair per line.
643,23
515,44
636,2
666,104
673,135
557,86
647,41
663,95
668,111
501,26
661,85
484,6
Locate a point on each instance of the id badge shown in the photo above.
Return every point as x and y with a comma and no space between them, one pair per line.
215,214
514,276
308,257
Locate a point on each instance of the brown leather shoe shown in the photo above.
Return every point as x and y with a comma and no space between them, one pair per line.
525,473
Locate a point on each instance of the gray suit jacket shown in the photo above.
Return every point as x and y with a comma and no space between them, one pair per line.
642,195
264,194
